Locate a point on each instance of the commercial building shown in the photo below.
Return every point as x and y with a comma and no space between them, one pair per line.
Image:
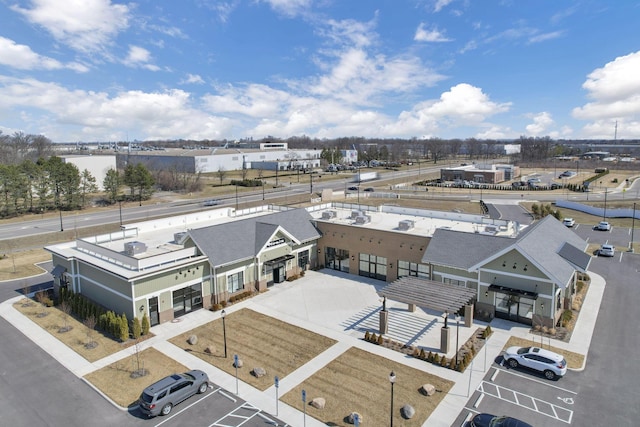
97,165
169,267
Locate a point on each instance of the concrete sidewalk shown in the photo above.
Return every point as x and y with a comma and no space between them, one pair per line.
341,307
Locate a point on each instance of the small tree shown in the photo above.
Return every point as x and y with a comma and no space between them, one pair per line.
136,330
123,332
222,173
90,324
65,308
44,301
145,325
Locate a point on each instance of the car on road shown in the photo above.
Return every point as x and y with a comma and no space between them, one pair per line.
160,397
489,420
212,202
602,226
569,222
353,189
369,189
607,250
551,364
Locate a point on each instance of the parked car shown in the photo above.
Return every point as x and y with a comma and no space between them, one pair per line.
369,189
569,222
551,364
603,226
488,420
160,397
607,250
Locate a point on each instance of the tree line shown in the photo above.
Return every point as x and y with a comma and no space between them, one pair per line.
51,184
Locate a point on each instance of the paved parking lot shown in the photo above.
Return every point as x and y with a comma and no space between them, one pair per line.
216,408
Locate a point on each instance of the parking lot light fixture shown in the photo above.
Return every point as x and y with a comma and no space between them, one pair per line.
224,331
392,380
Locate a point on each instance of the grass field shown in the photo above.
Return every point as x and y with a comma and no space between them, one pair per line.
259,341
358,381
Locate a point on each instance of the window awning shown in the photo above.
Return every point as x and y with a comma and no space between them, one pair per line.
512,291
279,260
429,294
58,270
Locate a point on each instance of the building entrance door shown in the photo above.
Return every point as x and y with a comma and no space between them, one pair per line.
278,274
154,317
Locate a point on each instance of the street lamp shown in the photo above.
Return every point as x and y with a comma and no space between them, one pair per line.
224,332
604,216
457,337
392,380
120,204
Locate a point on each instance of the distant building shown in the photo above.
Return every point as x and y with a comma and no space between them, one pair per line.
97,165
481,173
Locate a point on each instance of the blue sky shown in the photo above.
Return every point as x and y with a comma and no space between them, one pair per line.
105,70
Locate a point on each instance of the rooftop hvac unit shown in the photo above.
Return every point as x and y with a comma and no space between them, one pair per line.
134,248
329,214
355,214
180,237
406,224
363,219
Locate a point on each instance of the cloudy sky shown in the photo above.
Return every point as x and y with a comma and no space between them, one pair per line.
105,70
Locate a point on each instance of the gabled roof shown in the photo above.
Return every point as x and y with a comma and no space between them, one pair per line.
550,246
460,249
243,239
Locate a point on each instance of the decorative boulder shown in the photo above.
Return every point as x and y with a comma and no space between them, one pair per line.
210,349
407,412
239,364
259,372
428,389
318,402
193,340
352,418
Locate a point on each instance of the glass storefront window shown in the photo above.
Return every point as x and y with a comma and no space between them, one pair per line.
235,282
372,266
406,268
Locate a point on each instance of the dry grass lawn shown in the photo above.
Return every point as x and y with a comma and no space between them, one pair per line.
16,265
76,338
259,341
574,360
117,382
358,381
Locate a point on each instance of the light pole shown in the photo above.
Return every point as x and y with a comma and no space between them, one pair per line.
236,197
224,332
392,380
262,189
457,338
277,384
311,181
604,215
60,210
120,204
633,226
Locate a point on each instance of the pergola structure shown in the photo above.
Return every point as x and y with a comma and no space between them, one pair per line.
429,294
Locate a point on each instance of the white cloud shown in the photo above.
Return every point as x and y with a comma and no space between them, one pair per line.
546,36
289,7
541,123
21,57
139,57
192,79
433,35
615,93
86,26
440,4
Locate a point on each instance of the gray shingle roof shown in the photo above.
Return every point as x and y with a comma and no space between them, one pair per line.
243,239
460,249
550,245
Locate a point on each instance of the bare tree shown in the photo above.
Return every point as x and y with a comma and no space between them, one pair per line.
44,301
90,324
65,308
222,173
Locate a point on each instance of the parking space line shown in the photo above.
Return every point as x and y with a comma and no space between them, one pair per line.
558,412
528,377
184,409
478,400
495,374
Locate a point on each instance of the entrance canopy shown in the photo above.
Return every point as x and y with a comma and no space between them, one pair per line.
429,294
279,260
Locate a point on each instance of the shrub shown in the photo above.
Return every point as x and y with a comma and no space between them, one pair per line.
452,364
566,317
123,331
367,336
579,285
430,357
443,361
436,359
374,338
380,339
144,328
422,354
136,329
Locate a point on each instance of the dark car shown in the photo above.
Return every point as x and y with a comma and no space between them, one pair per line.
160,397
353,188
369,189
488,420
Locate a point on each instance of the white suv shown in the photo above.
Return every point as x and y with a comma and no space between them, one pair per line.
551,364
603,226
569,222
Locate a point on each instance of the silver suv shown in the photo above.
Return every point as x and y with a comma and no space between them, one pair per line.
160,397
